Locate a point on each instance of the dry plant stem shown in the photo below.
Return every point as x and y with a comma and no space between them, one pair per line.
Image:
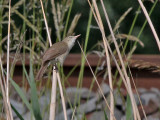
4,97
137,94
3,88
62,96
135,109
110,84
73,113
53,96
8,46
127,58
46,24
109,74
9,116
54,80
105,42
96,80
150,23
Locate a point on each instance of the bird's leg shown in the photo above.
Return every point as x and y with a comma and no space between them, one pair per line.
55,67
54,63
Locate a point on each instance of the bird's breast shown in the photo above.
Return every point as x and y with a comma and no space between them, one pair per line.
62,57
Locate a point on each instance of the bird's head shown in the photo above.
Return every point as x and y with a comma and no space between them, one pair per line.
70,40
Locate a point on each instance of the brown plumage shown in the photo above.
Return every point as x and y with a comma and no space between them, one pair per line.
56,53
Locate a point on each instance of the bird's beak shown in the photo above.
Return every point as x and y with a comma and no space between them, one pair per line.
77,36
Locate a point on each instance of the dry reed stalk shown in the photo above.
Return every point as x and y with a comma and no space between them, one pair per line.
105,42
110,84
150,23
99,21
96,81
54,80
134,106
73,113
9,116
62,95
50,42
137,93
3,88
53,96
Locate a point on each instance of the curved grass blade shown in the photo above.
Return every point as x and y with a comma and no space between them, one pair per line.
22,95
17,113
34,96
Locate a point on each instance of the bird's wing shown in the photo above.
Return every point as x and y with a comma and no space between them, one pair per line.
55,50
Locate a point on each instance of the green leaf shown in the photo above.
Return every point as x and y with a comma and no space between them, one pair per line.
24,69
17,113
14,109
129,109
34,96
22,95
105,115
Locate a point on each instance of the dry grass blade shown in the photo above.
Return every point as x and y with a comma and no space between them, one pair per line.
150,23
74,23
130,37
55,18
16,6
96,80
140,64
27,21
16,55
121,19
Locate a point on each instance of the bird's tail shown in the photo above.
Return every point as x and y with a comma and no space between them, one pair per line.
41,71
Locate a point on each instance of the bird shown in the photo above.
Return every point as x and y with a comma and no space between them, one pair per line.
56,53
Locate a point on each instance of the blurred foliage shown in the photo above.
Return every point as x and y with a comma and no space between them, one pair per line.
115,10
